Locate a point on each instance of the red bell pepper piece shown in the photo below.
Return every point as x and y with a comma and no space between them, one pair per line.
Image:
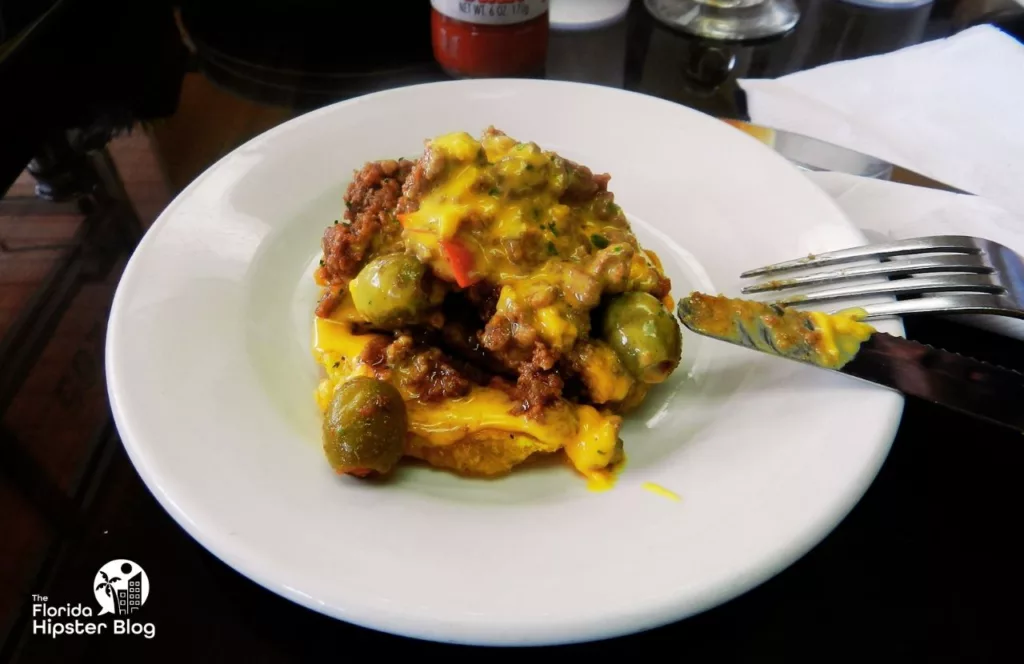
460,261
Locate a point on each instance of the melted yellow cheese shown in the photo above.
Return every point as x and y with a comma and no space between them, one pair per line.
842,334
603,374
486,409
535,302
593,450
336,339
497,190
588,436
484,186
337,350
460,145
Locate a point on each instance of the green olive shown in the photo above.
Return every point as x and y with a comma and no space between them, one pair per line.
365,426
644,335
389,290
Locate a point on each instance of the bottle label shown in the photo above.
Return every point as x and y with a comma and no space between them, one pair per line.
491,12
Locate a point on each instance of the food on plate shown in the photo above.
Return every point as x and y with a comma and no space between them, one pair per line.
481,305
826,340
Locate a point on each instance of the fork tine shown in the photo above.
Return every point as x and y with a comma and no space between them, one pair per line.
946,304
896,268
981,283
921,245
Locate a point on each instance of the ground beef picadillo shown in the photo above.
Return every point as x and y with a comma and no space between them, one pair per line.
426,371
540,384
435,376
476,347
536,390
370,202
583,184
432,376
421,176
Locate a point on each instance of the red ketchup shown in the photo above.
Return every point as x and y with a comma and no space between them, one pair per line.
490,38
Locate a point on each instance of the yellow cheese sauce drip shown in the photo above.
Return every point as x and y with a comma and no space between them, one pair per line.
594,451
659,490
842,334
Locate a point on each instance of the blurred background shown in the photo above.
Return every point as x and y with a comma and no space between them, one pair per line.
202,76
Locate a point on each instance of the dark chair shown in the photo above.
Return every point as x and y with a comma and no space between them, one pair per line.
73,73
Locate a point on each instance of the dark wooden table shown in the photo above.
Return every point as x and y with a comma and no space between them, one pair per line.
923,569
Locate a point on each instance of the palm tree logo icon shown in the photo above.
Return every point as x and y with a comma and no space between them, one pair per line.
108,583
121,587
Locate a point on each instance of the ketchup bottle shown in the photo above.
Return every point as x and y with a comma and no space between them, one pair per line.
490,38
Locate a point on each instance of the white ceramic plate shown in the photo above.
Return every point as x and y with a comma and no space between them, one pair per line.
211,382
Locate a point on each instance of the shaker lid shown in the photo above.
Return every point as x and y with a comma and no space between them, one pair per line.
586,14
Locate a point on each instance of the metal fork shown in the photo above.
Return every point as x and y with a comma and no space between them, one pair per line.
965,275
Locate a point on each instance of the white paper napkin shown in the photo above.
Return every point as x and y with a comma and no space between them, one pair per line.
952,110
889,211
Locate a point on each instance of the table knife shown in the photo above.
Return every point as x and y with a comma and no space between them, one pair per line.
812,154
844,344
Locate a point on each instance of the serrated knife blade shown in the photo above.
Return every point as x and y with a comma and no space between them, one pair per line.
963,384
